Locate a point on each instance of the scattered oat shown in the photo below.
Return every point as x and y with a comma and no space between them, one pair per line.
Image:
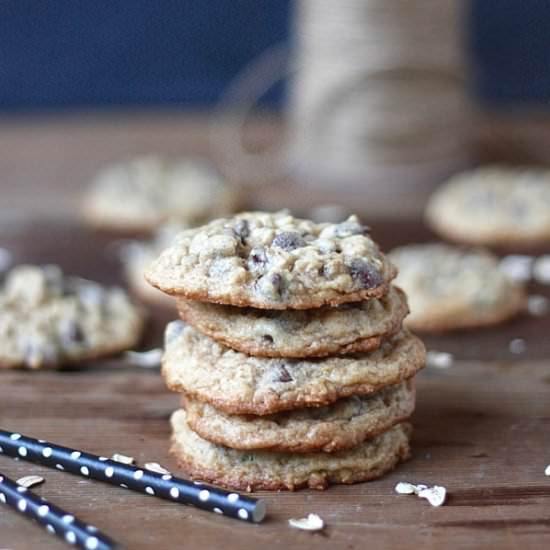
123,459
547,471
312,523
434,495
517,346
439,359
156,467
145,359
538,305
30,481
5,259
541,270
517,267
404,488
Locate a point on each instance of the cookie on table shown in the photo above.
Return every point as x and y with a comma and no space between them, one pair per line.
501,206
137,256
241,384
348,328
451,288
343,425
253,470
273,261
49,320
142,193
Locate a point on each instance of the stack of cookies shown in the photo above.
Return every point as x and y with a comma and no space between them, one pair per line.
291,358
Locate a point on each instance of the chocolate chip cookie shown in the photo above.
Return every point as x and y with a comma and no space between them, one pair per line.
347,328
48,320
273,261
252,470
451,288
343,425
241,384
494,206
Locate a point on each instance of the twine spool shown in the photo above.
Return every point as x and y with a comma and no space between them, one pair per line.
379,92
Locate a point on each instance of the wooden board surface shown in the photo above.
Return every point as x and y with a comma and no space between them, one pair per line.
482,429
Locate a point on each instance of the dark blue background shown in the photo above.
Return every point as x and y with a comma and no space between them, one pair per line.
137,52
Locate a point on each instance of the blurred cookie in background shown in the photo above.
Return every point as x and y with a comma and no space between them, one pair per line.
452,288
139,195
50,320
494,206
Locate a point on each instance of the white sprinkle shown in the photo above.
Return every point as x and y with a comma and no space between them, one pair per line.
59,467
439,359
109,471
68,518
91,543
123,459
517,346
22,505
167,477
70,537
218,510
103,458
156,467
145,359
15,436
232,497
243,514
547,470
1,479
404,488
138,474
124,486
312,523
538,305
149,490
43,510
2,498
204,495
84,471
50,529
517,267
541,270
75,455
22,451
434,495
46,452
21,489
1,450
174,492
91,529
30,481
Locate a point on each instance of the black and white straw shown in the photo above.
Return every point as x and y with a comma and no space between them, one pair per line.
164,486
54,519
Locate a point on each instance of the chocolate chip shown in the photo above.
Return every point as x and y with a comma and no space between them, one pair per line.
281,374
71,333
276,281
288,240
242,229
267,338
366,274
257,255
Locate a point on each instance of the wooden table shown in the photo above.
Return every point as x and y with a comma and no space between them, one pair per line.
482,427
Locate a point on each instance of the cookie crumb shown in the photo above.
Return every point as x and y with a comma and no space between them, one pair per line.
517,346
439,359
145,359
541,270
538,305
547,470
312,523
517,267
123,459
434,495
156,467
30,481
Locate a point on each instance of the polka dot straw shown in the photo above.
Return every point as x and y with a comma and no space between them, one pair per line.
55,520
151,483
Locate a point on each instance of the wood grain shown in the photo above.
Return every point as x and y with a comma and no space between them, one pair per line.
481,430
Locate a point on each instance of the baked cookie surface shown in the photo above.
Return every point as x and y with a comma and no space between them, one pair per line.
450,288
241,384
144,192
493,206
50,320
348,328
343,425
251,470
273,261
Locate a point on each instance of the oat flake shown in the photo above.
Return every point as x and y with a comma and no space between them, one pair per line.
312,523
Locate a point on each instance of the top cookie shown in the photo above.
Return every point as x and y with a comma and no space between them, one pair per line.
493,206
273,261
47,319
141,194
